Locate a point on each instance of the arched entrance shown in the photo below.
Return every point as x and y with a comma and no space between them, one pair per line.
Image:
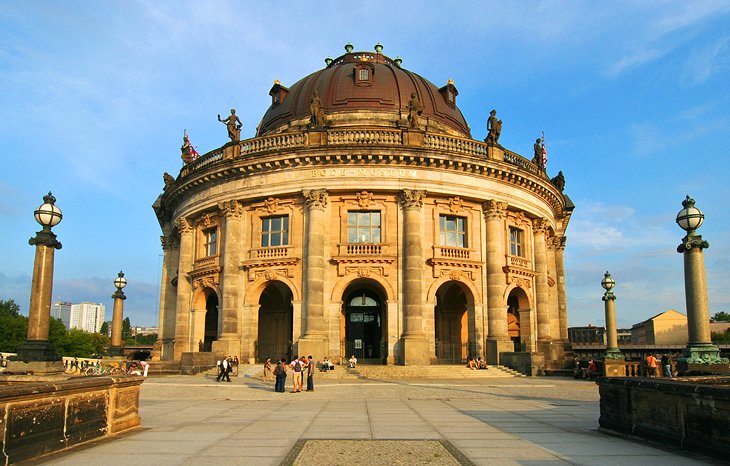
518,315
211,321
451,324
365,329
276,317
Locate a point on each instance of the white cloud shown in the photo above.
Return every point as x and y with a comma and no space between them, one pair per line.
707,61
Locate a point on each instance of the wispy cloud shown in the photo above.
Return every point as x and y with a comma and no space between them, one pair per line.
707,61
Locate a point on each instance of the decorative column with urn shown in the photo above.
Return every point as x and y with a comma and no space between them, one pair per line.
115,347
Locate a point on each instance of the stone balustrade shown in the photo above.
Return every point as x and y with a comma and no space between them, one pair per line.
521,262
275,252
363,249
206,262
453,253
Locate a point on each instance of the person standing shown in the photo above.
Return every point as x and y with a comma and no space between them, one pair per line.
267,370
280,373
219,365
651,365
297,366
666,366
310,374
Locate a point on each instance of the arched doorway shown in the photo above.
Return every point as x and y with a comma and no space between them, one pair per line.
211,321
518,315
276,318
451,324
365,330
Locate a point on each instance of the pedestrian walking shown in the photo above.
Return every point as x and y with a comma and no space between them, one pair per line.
666,366
267,370
310,374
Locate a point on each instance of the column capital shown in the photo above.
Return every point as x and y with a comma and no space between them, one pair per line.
231,209
169,242
412,199
183,225
560,242
540,225
316,198
45,237
494,210
608,296
690,242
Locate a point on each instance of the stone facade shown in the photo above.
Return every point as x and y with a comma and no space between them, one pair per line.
367,235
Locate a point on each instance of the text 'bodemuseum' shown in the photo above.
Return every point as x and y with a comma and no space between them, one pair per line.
363,219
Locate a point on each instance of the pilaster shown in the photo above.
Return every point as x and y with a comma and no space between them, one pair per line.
539,227
184,289
498,340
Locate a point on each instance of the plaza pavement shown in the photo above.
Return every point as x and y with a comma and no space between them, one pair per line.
192,420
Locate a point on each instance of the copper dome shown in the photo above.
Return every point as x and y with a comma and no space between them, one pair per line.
363,89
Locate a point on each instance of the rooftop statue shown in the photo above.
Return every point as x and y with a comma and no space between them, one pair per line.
559,181
187,150
414,110
316,111
234,125
169,180
494,128
537,159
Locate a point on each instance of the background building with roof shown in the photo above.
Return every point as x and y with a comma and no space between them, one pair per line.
363,219
666,328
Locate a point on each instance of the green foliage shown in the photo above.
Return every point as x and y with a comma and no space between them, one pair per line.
126,328
721,337
721,317
13,332
81,344
104,330
9,308
146,339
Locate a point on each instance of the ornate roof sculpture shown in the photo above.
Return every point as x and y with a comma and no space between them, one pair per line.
364,88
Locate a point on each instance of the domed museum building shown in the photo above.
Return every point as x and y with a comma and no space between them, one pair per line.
363,219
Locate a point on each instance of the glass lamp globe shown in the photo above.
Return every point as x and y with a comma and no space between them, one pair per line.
48,214
608,283
690,217
120,282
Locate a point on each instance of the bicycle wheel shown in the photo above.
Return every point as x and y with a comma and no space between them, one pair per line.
114,371
90,371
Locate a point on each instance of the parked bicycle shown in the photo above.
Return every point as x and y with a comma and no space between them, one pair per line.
102,370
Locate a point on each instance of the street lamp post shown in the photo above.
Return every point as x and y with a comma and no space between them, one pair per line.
700,352
37,348
116,348
612,351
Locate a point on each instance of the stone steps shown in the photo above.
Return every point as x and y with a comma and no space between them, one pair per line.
363,371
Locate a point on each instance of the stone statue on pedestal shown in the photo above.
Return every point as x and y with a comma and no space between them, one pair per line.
234,125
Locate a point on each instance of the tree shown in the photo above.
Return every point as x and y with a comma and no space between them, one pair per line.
721,317
9,308
126,329
104,330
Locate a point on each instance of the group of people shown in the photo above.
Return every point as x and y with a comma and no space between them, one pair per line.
476,364
299,367
651,365
225,367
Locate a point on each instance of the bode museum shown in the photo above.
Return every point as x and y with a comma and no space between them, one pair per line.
363,219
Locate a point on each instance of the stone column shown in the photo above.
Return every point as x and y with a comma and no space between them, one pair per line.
553,306
229,341
162,350
539,227
498,339
560,278
415,344
115,346
184,288
37,353
314,340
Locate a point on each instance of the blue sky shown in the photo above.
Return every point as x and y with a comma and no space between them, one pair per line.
632,97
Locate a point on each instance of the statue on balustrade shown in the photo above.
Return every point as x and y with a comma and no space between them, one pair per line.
494,128
234,125
559,181
169,180
414,110
187,150
316,111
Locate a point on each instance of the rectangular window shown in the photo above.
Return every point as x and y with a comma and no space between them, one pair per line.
516,242
210,242
363,227
275,231
453,231
363,74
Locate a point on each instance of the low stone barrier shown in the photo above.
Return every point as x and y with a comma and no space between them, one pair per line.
41,415
691,413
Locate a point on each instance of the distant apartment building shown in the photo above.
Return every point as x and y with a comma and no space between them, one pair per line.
62,310
136,330
667,328
588,334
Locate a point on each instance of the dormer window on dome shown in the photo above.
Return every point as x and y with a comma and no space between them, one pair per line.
449,93
364,73
278,93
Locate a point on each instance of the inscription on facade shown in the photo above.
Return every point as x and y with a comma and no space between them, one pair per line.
366,172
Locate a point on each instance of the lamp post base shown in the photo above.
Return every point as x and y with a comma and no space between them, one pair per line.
702,358
35,351
613,353
115,351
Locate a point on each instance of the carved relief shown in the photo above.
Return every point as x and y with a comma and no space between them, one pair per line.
494,210
520,219
412,199
364,199
455,204
207,281
270,274
272,204
316,198
540,225
206,221
362,273
231,209
183,225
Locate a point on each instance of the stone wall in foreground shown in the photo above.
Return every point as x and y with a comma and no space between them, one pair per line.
691,413
39,416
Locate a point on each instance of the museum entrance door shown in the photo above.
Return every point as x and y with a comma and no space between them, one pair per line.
451,324
364,326
211,321
276,318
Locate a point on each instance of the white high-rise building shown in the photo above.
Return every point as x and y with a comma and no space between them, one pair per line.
87,316
62,310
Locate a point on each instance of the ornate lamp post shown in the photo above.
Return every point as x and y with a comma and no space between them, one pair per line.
612,351
37,347
115,348
699,350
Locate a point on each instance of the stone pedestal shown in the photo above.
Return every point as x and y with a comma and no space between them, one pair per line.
614,367
412,137
494,347
311,345
415,351
317,137
553,351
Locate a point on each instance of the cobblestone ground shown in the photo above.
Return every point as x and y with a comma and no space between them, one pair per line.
193,420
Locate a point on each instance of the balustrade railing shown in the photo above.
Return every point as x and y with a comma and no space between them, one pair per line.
515,261
365,137
363,249
276,141
521,162
453,253
206,262
269,253
450,143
